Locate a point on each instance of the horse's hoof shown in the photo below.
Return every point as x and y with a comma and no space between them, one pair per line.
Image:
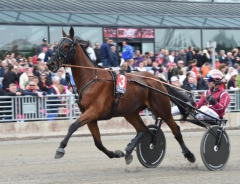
119,153
128,159
59,153
191,158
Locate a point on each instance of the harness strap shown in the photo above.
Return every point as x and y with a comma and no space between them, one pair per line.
115,95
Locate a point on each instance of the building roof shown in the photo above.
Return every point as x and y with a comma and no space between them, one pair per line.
120,13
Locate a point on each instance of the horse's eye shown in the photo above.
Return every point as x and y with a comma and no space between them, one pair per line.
67,47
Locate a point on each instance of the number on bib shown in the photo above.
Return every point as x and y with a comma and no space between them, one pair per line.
121,85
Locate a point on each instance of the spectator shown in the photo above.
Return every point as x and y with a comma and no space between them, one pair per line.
138,58
97,53
127,51
121,60
172,56
205,69
228,75
104,51
30,78
130,66
151,56
185,81
181,57
63,81
160,57
181,77
49,53
43,83
141,67
230,59
33,90
166,57
160,74
55,99
55,44
222,56
43,53
175,81
189,55
40,47
149,62
91,52
169,71
19,56
124,67
177,68
193,68
7,59
154,68
12,90
113,57
223,68
217,63
198,57
201,83
190,85
237,67
24,77
206,57
3,68
9,77
232,82
30,61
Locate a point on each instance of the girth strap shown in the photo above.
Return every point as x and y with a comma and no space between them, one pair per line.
115,95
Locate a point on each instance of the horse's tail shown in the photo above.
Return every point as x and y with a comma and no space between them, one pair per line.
180,95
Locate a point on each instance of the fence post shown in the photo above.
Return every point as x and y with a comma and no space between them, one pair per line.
71,109
148,121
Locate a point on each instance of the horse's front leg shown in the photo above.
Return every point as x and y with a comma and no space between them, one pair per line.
93,127
85,118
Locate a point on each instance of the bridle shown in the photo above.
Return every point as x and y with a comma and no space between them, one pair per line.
63,56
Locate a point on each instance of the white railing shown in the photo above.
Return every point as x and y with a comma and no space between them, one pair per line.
30,108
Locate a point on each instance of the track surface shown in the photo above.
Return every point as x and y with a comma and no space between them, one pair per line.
32,162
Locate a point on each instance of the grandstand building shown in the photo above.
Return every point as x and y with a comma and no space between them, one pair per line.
147,24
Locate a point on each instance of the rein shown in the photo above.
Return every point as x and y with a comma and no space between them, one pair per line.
74,66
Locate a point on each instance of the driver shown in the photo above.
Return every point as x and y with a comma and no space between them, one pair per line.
214,101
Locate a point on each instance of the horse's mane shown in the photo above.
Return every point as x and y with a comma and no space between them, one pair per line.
85,44
184,96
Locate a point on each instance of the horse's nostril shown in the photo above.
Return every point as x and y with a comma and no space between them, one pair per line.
52,64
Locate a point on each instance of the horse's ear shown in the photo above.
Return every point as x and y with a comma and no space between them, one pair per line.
71,32
63,33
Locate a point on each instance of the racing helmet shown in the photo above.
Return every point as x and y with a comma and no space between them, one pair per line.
215,76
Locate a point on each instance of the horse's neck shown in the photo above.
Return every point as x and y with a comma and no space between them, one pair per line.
82,75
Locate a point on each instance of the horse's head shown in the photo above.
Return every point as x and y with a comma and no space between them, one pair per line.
64,53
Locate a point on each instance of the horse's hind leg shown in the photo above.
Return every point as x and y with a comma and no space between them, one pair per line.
165,114
141,129
93,127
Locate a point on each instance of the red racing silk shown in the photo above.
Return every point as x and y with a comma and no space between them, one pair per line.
221,96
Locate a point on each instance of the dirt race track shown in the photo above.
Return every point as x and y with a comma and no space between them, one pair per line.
32,162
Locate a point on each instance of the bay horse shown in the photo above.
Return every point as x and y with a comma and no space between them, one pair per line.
95,88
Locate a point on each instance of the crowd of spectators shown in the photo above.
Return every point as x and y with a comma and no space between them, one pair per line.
186,68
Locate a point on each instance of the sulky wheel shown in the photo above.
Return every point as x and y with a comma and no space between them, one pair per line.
151,156
214,159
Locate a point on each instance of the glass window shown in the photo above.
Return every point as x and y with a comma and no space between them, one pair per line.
175,39
93,34
195,0
227,1
8,16
147,47
226,39
23,39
